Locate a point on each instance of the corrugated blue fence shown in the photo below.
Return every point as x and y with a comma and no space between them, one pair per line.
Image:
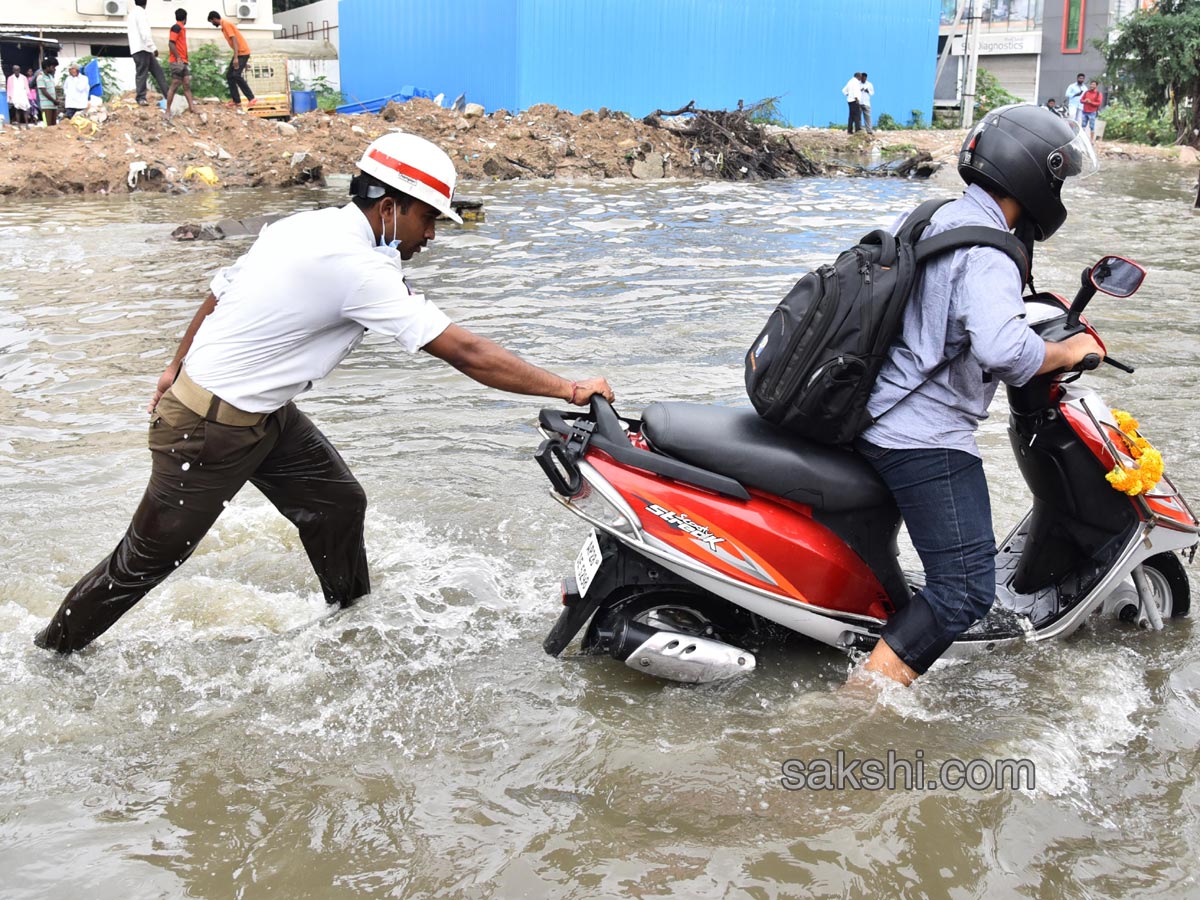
639,55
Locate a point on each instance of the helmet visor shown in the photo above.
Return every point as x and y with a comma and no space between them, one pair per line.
1075,158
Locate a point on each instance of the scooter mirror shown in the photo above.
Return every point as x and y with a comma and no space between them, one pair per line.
1117,276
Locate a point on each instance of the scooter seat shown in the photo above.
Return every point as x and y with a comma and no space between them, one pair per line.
742,445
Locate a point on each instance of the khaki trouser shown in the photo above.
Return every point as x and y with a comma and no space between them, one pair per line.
198,466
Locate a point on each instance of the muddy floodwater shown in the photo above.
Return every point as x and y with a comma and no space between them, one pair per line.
232,738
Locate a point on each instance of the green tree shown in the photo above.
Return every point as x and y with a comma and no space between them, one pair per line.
989,94
208,63
1157,53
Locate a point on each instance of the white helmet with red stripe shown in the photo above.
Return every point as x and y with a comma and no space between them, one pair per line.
414,166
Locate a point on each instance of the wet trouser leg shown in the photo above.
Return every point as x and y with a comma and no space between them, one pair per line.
197,468
943,498
308,481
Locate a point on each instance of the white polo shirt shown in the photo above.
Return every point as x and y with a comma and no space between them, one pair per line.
295,305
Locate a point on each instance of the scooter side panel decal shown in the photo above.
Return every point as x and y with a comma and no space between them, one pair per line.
793,555
704,538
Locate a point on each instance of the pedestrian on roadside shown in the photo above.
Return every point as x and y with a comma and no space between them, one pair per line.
235,75
853,92
35,108
280,318
177,61
1074,93
17,87
866,91
48,92
75,91
1091,101
144,52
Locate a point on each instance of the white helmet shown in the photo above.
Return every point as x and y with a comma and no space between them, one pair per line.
413,166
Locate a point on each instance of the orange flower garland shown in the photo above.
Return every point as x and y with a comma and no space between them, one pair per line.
1148,467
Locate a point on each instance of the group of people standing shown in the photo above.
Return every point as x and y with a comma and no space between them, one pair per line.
858,92
145,57
1083,103
33,96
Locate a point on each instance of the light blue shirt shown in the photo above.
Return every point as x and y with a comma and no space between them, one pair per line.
969,299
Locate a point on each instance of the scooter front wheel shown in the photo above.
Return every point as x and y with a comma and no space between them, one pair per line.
1169,584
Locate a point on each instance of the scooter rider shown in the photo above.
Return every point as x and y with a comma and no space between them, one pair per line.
966,307
281,317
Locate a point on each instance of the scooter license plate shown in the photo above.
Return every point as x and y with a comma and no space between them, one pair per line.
587,563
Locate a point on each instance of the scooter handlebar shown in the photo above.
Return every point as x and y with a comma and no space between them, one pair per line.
1089,362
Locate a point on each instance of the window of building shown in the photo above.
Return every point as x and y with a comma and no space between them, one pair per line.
1072,40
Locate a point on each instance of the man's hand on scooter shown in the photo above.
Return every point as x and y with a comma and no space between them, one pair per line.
582,391
1070,353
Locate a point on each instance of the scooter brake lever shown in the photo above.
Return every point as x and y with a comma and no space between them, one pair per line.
1116,364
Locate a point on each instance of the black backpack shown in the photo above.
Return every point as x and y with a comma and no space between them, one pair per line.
811,369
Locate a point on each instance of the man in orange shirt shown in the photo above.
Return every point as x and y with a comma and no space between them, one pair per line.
177,62
235,74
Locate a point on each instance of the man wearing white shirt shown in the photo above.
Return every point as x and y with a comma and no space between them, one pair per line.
281,317
143,51
75,91
1074,95
853,92
866,91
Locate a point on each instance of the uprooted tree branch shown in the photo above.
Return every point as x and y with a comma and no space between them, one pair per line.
737,148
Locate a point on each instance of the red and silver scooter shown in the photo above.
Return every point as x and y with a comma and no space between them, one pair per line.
708,524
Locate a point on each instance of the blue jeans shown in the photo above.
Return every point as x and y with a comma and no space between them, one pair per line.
1089,121
943,497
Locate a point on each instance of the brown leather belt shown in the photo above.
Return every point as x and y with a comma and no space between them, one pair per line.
209,406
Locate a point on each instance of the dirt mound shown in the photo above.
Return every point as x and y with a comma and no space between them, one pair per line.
137,148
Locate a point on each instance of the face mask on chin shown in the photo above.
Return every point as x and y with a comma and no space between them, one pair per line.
389,248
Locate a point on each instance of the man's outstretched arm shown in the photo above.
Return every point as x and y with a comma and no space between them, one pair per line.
488,363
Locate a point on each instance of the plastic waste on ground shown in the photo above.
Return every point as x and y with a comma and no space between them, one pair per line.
136,170
204,173
86,126
375,105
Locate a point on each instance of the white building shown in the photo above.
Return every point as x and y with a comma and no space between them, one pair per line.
70,29
310,35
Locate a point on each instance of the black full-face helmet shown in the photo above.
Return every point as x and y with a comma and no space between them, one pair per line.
1026,152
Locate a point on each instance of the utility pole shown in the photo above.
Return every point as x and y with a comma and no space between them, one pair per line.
974,19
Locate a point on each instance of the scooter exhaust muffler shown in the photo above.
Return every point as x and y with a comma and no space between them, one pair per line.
678,657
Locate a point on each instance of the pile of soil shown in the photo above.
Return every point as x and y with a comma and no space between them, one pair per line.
137,148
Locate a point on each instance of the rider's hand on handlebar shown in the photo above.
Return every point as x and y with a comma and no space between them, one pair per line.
581,391
1070,353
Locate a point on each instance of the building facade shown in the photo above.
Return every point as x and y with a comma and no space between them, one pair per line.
1034,48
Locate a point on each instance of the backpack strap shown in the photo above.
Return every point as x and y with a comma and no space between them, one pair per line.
976,236
914,223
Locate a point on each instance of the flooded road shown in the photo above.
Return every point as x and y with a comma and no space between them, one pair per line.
231,738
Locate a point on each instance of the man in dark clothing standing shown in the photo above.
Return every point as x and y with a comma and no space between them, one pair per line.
235,75
143,51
